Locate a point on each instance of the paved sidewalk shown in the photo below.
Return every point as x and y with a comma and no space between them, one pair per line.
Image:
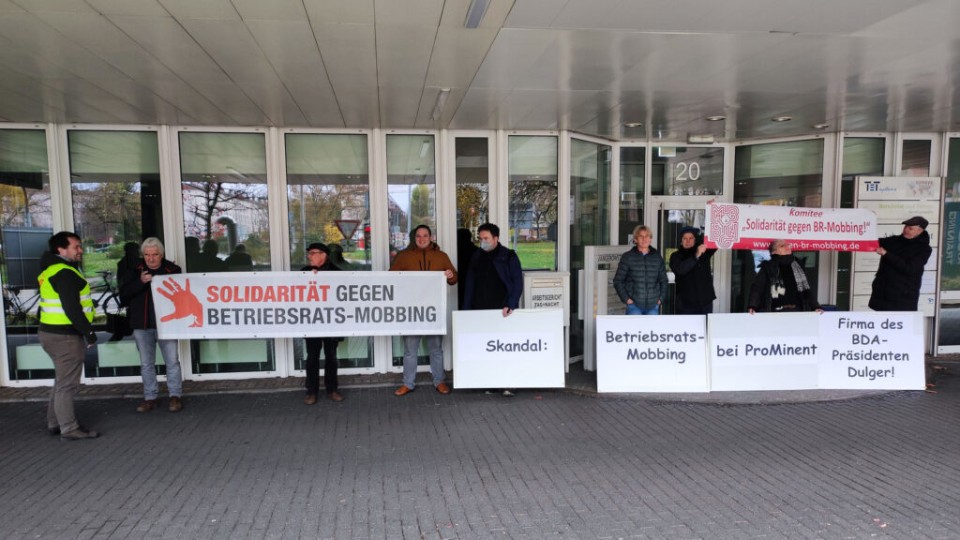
551,464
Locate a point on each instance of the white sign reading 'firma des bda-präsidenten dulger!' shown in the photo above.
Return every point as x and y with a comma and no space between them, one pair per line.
651,354
523,350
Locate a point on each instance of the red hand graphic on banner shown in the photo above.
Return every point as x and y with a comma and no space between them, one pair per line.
185,303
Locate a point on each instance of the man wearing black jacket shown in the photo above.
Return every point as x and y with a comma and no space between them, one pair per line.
896,286
137,294
318,255
66,314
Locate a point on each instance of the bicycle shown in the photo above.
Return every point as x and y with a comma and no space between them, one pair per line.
15,308
109,299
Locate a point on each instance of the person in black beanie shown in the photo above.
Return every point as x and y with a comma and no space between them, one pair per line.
318,257
691,268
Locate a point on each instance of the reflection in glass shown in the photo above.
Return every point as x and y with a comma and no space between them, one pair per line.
533,201
328,200
589,194
473,182
411,200
915,160
27,223
115,186
779,174
687,171
632,161
862,156
411,187
224,186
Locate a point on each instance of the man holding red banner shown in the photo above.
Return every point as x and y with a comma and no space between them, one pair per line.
896,286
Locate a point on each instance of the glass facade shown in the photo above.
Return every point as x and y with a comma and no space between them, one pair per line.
115,188
328,200
113,193
779,174
27,223
226,229
533,189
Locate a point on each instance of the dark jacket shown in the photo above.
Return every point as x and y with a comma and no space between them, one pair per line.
68,286
138,296
693,277
896,286
507,264
641,278
770,272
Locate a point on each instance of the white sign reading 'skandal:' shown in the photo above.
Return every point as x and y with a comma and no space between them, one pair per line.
298,304
652,354
524,350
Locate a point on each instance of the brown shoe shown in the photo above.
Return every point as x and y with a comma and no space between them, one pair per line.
311,399
176,404
402,391
443,388
147,405
335,396
78,434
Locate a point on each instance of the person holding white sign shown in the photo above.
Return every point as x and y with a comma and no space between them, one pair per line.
896,286
423,255
494,278
641,278
781,284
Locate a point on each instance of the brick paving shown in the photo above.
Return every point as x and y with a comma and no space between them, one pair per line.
545,464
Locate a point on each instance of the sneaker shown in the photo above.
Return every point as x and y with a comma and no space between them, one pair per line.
176,404
147,405
402,391
78,434
335,396
311,399
443,388
508,393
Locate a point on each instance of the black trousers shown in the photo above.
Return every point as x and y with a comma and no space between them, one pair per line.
314,345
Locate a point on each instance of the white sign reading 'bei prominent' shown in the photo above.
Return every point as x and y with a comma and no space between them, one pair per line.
751,226
298,304
652,354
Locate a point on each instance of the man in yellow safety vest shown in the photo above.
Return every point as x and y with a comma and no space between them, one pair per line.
66,330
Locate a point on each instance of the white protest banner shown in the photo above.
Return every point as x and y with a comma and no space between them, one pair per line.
872,350
764,351
295,304
524,350
652,354
752,226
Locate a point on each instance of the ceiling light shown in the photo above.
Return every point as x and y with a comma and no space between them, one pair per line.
820,126
716,118
632,124
781,119
478,8
441,101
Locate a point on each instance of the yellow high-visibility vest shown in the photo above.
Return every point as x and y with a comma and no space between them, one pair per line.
51,310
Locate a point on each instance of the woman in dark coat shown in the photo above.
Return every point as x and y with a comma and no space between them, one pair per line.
691,269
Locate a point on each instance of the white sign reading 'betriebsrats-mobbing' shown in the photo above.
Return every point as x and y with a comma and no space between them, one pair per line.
523,350
652,354
297,304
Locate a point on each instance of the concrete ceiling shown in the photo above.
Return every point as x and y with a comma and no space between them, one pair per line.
590,66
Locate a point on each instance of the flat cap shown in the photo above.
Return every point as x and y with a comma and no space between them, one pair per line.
917,221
